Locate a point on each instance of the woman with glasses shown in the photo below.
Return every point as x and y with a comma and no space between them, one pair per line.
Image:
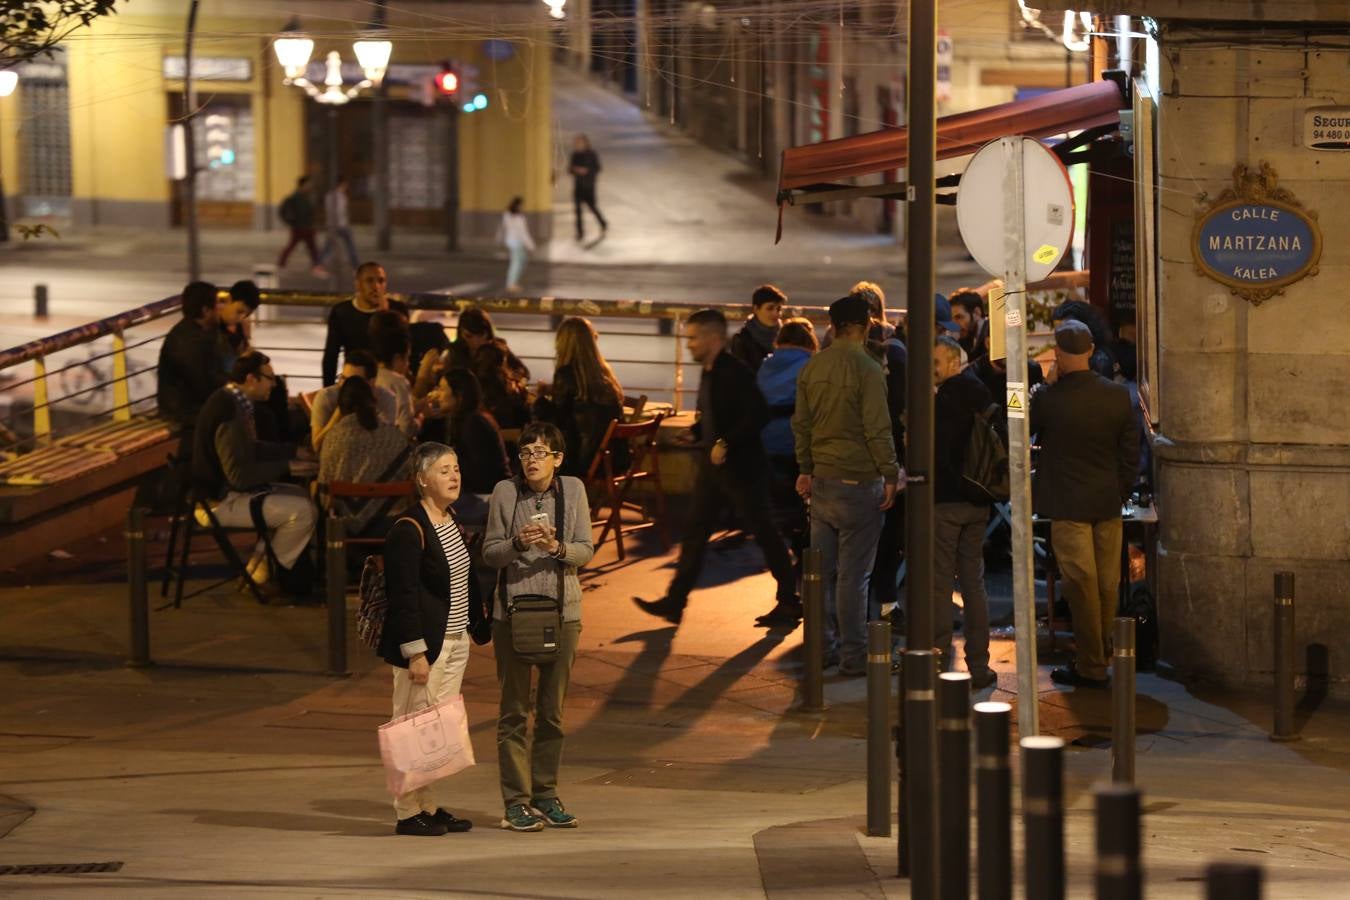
534,546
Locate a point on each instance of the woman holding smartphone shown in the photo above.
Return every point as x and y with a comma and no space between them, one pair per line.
526,540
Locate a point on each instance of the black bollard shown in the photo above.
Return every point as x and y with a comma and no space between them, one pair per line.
921,773
1284,658
1043,817
1119,876
137,590
954,783
40,308
813,634
1233,881
336,592
879,729
902,787
993,797
1123,702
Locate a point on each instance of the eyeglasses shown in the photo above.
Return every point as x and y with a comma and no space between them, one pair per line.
536,455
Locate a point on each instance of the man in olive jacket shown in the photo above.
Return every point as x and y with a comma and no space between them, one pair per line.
842,429
1089,456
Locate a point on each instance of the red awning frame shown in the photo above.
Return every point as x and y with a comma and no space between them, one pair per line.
814,171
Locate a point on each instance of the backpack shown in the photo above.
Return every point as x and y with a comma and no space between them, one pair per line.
985,472
374,601
290,209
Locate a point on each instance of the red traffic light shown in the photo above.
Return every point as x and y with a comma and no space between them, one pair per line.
447,82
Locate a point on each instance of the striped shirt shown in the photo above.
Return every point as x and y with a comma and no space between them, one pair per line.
457,556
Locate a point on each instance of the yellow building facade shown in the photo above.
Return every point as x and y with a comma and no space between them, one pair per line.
87,136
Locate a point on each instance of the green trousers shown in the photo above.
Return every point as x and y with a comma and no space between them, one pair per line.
529,768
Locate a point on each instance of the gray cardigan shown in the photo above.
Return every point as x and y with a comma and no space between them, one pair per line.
533,572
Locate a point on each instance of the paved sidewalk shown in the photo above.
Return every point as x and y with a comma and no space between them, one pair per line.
230,770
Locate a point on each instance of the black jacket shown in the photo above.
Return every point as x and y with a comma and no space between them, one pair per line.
417,585
482,454
226,458
738,415
959,399
348,329
190,368
582,422
750,345
1089,448
584,185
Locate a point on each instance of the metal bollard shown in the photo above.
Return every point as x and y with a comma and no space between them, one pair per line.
1123,703
137,589
879,729
336,591
1233,881
1118,870
40,308
813,634
921,773
1043,817
1284,658
993,798
954,783
902,805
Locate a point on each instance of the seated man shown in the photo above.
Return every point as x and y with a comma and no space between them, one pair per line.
323,412
190,361
235,471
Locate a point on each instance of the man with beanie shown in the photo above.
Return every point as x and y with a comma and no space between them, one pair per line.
1089,456
849,475
755,339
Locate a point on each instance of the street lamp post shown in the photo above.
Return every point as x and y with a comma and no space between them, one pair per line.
294,48
9,80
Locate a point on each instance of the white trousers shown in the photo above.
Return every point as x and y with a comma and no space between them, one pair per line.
447,674
287,511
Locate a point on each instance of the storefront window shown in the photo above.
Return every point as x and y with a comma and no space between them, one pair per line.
225,141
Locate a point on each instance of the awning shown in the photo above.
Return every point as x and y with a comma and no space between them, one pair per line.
821,167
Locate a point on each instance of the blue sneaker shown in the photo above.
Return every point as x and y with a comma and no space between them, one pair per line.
552,812
519,818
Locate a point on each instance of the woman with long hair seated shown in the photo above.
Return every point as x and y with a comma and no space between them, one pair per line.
584,398
362,448
473,432
505,392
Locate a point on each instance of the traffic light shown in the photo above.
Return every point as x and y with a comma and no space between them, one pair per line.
447,82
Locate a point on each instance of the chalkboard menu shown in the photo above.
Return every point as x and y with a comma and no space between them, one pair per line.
1121,286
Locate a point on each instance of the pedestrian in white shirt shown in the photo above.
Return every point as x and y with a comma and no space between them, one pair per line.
339,223
515,234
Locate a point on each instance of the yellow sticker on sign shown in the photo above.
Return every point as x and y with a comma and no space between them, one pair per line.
1046,254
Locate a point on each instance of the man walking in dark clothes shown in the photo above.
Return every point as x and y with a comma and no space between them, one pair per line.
349,321
732,469
297,211
585,168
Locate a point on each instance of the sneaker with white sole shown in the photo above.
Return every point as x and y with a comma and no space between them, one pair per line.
553,814
519,817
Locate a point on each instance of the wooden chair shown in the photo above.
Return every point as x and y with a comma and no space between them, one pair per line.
358,490
644,464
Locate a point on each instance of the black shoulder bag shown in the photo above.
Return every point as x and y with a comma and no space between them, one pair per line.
535,620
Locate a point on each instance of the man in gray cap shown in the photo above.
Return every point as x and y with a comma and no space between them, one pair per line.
1089,456
842,433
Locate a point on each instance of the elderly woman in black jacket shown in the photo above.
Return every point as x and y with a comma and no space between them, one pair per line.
435,609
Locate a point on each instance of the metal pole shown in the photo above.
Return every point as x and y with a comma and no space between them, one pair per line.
1118,870
920,250
40,301
1233,881
954,783
1043,817
1019,438
993,792
1284,658
921,768
902,808
334,163
336,589
452,177
379,128
813,634
1123,702
879,729
137,591
190,145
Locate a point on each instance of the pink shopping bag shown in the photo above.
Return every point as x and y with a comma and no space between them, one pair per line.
426,745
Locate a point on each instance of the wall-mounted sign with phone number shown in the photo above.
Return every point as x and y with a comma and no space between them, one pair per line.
1327,128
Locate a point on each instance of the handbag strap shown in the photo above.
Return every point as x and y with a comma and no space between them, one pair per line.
421,536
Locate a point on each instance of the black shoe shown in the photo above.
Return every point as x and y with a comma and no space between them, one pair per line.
981,680
665,608
1070,678
453,825
420,825
851,668
831,660
784,614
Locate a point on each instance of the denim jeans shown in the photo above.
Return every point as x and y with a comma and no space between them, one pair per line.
846,524
516,267
343,237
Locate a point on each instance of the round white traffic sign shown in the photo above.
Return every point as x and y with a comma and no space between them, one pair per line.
1049,212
